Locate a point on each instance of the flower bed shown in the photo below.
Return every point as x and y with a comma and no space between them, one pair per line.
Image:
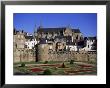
86,66
79,71
36,69
56,65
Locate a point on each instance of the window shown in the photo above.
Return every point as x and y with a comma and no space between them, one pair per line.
50,47
80,38
77,37
16,45
46,33
88,46
18,36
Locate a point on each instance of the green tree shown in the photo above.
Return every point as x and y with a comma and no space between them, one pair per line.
72,62
47,72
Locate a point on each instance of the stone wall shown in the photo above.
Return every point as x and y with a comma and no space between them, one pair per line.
24,55
44,54
67,56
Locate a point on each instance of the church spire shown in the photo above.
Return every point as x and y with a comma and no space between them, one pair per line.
35,30
69,26
40,24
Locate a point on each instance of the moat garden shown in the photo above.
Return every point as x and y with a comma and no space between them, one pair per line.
55,68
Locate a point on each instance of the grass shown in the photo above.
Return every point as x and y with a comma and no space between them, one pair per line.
29,63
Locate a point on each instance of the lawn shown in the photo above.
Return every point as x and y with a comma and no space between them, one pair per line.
55,68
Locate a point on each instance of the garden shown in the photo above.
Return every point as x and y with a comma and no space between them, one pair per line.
55,68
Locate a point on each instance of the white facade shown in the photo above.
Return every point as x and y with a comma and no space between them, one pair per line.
89,44
72,47
31,44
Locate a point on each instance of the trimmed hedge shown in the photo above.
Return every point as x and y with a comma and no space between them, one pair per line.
45,62
72,62
47,72
22,64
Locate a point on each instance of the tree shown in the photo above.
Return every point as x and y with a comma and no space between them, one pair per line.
72,62
63,65
47,72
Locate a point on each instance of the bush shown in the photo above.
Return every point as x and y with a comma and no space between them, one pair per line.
72,62
22,64
45,62
63,65
47,72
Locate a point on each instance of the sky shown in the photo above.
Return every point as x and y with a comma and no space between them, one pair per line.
86,22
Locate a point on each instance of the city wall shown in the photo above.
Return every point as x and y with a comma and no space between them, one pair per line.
45,55
60,56
24,55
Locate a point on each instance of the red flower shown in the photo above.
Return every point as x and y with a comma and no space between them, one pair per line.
50,65
89,66
36,69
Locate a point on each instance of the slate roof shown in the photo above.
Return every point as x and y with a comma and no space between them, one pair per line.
15,31
59,37
81,43
76,30
68,37
51,29
56,30
92,38
29,37
42,41
89,38
70,43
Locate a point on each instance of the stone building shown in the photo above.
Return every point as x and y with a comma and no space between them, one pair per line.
90,44
20,52
62,44
50,33
30,42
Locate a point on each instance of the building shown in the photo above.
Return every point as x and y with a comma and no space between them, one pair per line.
90,44
30,41
20,52
53,44
50,33
71,47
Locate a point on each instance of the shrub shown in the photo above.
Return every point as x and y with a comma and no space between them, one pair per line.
22,64
72,62
63,65
45,62
47,72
